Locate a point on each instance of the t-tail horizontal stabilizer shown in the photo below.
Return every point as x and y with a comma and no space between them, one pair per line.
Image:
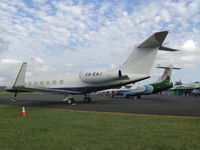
20,80
155,40
167,72
164,48
167,67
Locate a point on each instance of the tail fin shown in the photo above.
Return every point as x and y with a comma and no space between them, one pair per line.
20,80
166,74
141,59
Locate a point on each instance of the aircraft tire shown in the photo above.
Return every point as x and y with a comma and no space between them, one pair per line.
87,100
14,99
70,101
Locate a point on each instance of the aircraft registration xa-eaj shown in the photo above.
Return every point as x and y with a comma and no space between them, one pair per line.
136,68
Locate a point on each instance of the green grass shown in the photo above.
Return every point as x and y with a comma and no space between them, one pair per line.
52,129
6,93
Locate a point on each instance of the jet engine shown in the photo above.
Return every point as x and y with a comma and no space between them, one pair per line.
96,76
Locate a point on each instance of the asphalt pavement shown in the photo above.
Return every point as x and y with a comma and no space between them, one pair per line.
151,104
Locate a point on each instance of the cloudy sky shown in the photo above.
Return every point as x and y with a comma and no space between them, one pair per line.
64,36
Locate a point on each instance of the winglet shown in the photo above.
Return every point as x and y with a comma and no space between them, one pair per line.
20,80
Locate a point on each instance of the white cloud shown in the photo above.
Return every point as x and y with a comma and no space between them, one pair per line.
191,58
8,70
38,60
2,79
69,32
68,66
3,45
190,46
113,66
38,67
39,1
10,62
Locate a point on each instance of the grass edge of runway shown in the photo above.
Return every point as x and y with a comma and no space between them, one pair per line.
54,129
124,113
23,93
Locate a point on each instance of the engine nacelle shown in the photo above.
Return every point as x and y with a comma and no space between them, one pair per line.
96,76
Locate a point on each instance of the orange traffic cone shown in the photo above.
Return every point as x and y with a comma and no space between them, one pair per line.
23,111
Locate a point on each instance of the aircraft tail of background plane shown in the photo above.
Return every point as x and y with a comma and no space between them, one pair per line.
164,81
141,59
166,74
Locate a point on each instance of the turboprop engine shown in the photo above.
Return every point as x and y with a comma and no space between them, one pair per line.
95,76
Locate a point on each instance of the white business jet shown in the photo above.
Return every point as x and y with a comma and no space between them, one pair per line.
136,68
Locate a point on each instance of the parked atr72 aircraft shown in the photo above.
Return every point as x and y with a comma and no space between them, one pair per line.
136,68
163,83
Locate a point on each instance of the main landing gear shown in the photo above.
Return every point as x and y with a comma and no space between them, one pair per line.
70,100
87,99
14,98
134,97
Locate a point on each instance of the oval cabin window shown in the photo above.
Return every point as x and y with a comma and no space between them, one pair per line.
54,81
61,82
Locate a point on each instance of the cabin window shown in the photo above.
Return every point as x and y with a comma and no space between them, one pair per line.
41,83
54,81
29,83
61,82
48,82
35,83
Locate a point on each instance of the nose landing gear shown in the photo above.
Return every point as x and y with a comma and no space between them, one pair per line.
14,98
